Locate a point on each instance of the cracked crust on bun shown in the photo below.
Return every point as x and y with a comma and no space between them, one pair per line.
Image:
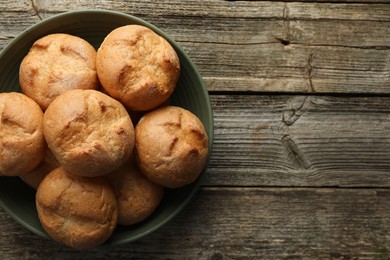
57,63
22,144
75,211
138,67
89,133
171,146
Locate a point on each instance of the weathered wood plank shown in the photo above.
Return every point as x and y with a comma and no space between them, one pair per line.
222,20
12,25
341,11
233,223
292,68
300,141
17,5
258,46
228,9
166,8
360,34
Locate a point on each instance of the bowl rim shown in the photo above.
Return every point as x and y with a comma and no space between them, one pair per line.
207,102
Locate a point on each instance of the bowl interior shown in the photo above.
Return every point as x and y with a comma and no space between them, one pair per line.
93,25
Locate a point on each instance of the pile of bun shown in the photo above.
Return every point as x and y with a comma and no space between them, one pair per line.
94,133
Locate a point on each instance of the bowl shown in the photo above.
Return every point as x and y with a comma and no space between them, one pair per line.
16,198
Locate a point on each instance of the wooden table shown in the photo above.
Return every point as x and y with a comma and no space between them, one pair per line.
301,160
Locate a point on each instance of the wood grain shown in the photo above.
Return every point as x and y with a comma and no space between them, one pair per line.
300,166
300,141
280,47
245,224
292,68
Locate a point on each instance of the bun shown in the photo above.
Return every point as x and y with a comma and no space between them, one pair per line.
137,196
89,133
171,146
57,63
138,67
76,211
22,145
35,177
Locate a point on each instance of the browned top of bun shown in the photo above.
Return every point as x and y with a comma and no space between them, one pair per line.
138,67
171,146
56,63
76,211
88,132
22,145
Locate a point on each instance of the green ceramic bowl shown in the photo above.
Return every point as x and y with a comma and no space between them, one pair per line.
18,199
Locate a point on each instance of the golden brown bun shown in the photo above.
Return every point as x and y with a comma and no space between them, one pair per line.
22,145
57,63
35,177
137,196
171,146
76,211
138,67
89,133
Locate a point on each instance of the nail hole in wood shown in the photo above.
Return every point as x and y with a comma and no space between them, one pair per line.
283,41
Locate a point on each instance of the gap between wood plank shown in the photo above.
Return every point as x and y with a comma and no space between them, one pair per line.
287,42
264,93
278,187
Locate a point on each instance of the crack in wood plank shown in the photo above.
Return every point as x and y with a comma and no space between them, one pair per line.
294,153
310,72
291,116
286,21
4,37
287,42
36,9
286,25
370,47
